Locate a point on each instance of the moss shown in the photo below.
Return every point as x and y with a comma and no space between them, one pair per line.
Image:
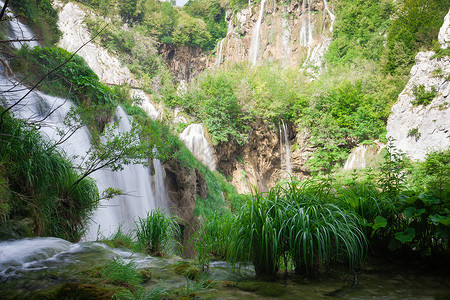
76,290
263,288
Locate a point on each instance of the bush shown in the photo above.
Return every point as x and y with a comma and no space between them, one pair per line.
423,97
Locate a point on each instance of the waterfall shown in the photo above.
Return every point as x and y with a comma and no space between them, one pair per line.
19,31
135,180
306,30
219,56
286,38
286,159
254,45
356,159
194,139
332,17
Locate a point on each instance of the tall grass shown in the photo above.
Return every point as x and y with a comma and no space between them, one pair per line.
157,233
298,223
39,178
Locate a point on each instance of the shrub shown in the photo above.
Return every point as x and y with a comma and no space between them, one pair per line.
423,97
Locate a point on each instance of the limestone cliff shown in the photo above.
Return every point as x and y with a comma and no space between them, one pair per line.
418,129
265,159
291,33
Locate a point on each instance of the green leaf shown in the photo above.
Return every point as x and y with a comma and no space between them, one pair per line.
406,236
429,199
379,222
411,212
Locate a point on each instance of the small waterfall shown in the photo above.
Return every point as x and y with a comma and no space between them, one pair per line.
356,159
286,38
219,55
332,17
286,159
19,31
194,139
254,45
306,30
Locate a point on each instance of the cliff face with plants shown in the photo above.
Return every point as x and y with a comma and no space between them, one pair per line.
420,120
288,32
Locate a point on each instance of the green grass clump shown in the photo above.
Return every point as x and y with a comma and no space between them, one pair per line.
295,223
122,273
156,234
39,180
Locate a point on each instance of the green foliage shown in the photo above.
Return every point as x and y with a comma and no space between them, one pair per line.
393,176
359,30
39,181
73,78
212,12
156,234
215,103
415,25
41,16
414,132
423,97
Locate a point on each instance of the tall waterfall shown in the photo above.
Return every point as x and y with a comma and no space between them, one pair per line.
332,17
306,30
219,53
286,158
135,180
254,45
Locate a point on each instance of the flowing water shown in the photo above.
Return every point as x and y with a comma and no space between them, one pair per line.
194,138
18,31
285,152
332,16
254,45
135,181
30,266
356,159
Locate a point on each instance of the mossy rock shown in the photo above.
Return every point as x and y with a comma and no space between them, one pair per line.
16,229
181,267
76,290
146,274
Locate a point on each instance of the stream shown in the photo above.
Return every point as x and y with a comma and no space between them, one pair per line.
30,267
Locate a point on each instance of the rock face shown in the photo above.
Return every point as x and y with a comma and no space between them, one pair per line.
75,34
184,185
292,33
261,162
185,63
419,129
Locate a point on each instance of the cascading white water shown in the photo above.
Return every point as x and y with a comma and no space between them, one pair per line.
219,55
285,39
19,31
134,180
286,158
193,137
306,30
332,16
254,45
357,159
